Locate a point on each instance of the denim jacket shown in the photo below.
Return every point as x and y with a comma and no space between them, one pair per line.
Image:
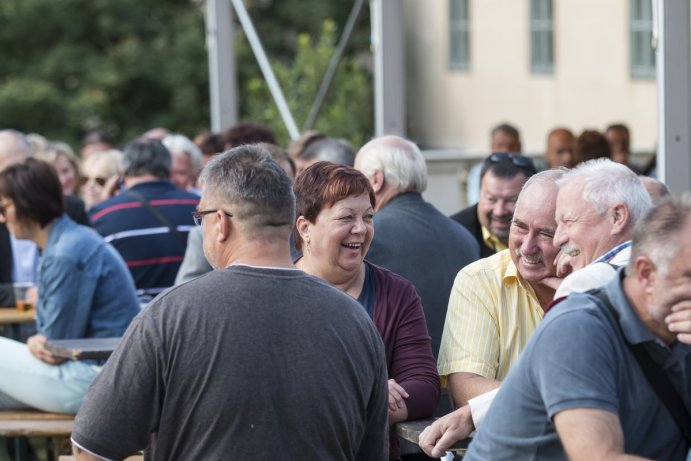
84,288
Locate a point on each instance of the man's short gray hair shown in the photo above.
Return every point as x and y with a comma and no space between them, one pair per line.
146,156
656,234
181,145
253,187
400,160
338,151
608,183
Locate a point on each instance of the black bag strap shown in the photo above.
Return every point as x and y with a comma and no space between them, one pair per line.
654,374
160,217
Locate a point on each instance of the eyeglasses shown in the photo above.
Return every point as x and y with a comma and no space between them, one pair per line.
98,180
519,161
198,216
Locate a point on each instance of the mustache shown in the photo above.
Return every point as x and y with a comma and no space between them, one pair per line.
570,250
502,219
533,259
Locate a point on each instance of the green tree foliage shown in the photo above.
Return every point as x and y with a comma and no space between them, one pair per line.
347,111
127,65
67,66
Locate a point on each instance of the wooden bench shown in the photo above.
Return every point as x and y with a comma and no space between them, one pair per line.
32,423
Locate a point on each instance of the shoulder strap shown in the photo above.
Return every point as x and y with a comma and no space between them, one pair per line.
160,217
654,374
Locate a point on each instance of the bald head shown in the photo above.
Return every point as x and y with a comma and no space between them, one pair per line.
655,188
14,148
560,146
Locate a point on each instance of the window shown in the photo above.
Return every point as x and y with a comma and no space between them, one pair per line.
642,52
459,35
541,36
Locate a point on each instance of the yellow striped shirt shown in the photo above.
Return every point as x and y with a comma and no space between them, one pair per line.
492,313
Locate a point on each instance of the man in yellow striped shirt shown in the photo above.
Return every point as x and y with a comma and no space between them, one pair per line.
497,302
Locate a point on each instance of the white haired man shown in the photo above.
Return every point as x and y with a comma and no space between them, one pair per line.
412,237
604,375
598,204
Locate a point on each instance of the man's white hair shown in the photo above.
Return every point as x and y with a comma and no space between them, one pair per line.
181,145
400,160
607,183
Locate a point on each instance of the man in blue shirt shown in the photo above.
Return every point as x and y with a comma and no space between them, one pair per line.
149,220
578,391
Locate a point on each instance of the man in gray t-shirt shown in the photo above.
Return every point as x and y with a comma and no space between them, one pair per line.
577,391
254,361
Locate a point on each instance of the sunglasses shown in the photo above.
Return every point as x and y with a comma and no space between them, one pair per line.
98,180
518,161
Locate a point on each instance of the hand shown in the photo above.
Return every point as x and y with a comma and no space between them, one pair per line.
396,395
552,282
398,411
446,431
563,263
111,188
679,321
37,347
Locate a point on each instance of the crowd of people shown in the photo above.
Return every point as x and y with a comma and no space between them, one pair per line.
297,303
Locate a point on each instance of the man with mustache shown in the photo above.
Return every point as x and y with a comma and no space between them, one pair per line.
598,205
501,179
497,302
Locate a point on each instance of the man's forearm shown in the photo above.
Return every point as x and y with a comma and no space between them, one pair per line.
465,386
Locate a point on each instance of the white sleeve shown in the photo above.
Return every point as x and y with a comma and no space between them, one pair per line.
479,406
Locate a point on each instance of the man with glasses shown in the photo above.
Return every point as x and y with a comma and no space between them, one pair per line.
501,179
252,359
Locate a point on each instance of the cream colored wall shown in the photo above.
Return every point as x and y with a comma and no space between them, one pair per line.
590,86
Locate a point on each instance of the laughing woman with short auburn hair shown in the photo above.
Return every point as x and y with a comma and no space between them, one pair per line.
334,228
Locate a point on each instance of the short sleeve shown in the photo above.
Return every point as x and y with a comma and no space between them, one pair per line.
574,363
470,341
122,407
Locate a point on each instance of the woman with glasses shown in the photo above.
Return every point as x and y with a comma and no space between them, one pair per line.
99,176
84,291
334,229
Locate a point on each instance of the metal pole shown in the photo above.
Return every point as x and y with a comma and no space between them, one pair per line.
674,95
222,75
389,67
333,65
265,67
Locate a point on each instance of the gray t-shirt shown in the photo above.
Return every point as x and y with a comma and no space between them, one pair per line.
243,363
577,358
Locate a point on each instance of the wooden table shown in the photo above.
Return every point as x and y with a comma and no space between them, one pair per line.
410,431
13,318
82,349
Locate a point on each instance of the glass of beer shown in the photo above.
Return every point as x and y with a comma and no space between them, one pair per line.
21,295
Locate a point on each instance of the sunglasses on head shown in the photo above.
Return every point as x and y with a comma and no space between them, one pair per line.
98,180
518,161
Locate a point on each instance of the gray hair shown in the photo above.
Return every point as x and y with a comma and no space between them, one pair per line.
656,234
400,160
548,177
182,146
608,183
145,156
253,186
338,151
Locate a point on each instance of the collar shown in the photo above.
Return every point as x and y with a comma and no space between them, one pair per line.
491,241
607,257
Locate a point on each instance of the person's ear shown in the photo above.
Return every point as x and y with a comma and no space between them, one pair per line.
619,217
646,273
378,180
303,227
224,226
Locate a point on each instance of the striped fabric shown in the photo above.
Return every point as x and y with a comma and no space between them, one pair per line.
491,316
152,253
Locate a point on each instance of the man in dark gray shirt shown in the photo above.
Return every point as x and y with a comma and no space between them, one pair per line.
578,390
411,237
255,360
